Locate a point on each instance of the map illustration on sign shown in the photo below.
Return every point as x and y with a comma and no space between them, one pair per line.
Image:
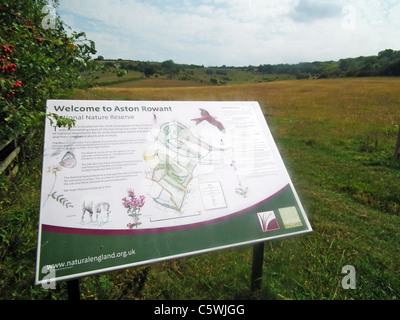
176,157
145,180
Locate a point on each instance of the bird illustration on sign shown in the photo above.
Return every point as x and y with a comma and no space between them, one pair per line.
205,115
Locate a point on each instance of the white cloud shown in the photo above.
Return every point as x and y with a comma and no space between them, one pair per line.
234,32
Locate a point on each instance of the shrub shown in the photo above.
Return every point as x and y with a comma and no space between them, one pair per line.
37,63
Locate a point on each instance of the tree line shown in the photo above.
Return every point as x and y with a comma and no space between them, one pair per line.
386,63
168,67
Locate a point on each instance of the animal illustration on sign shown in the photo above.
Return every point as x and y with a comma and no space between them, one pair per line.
96,206
205,115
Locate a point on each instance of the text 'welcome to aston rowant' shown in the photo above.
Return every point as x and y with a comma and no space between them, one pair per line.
110,109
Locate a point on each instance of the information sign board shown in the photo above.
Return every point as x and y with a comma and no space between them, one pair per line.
136,182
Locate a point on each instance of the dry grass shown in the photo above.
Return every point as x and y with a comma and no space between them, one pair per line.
364,101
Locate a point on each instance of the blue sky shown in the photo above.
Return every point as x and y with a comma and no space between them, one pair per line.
236,32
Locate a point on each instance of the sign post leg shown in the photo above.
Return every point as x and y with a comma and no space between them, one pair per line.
73,290
256,272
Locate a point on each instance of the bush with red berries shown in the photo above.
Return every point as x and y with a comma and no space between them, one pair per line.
8,67
36,64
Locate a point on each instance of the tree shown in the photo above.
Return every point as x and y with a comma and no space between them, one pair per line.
37,63
169,67
387,54
149,70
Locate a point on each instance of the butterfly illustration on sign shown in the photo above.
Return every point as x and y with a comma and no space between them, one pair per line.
68,160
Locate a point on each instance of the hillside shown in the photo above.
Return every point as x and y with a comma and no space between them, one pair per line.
116,72
128,74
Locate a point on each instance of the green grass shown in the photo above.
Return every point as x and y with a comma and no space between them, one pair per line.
337,138
229,76
109,77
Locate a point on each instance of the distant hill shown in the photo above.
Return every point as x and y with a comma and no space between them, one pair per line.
386,63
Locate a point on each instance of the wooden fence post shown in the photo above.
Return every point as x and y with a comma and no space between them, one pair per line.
11,156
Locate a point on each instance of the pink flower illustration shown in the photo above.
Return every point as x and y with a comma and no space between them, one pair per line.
133,204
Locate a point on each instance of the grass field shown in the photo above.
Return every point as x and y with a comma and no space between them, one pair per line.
337,138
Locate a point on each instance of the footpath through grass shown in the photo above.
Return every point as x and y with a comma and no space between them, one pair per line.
337,138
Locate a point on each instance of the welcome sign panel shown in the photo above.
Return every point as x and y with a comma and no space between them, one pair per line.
135,182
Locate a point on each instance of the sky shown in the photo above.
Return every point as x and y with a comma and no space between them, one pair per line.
235,32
